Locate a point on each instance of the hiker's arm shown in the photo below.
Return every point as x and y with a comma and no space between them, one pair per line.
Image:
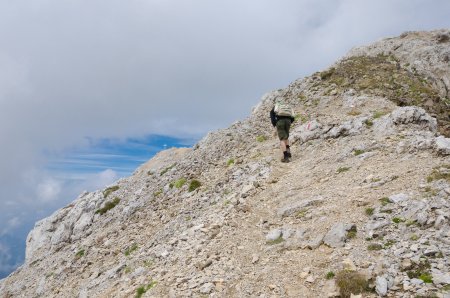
273,118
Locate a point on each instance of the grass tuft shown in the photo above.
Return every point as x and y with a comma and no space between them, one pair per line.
110,190
194,184
330,275
108,206
342,169
350,282
261,138
369,211
80,253
374,246
131,249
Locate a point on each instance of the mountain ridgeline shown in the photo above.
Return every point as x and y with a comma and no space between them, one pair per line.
363,208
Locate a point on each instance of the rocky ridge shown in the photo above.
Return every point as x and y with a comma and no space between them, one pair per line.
368,191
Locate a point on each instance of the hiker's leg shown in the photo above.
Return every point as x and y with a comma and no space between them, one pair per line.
283,145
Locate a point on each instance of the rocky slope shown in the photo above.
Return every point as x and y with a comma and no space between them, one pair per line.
366,196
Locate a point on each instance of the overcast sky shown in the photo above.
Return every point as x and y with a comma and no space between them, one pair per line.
77,71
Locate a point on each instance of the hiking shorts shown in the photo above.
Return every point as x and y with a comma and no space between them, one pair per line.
283,126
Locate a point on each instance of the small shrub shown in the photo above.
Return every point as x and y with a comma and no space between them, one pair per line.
354,113
108,206
426,277
379,114
414,237
389,243
110,190
261,138
420,270
194,184
157,193
276,241
166,169
301,213
358,152
374,246
330,275
80,253
230,162
179,183
436,174
132,248
398,220
143,289
148,263
342,169
384,201
324,75
369,211
350,282
368,123
351,233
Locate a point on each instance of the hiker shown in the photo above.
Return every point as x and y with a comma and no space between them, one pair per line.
281,117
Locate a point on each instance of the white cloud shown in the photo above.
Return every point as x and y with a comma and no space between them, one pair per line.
100,180
48,190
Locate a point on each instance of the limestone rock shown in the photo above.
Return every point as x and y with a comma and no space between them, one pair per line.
337,235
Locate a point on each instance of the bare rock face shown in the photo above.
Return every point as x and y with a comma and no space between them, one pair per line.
228,219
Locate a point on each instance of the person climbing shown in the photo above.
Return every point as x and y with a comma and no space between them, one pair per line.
282,116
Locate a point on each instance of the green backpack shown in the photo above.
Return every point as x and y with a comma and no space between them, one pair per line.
282,109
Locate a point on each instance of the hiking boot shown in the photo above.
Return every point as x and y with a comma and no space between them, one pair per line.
285,159
288,151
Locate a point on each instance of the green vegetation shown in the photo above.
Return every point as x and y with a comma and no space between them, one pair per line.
143,289
276,241
300,118
379,114
330,275
398,220
301,213
148,263
157,193
389,243
131,249
354,113
421,271
374,246
342,169
230,162
414,237
384,76
110,190
108,206
384,201
166,170
358,152
351,233
194,184
368,123
261,138
80,253
369,211
350,282
438,174
179,183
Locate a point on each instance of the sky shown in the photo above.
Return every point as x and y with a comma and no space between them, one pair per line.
90,89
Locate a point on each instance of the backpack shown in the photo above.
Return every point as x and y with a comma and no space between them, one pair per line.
282,109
